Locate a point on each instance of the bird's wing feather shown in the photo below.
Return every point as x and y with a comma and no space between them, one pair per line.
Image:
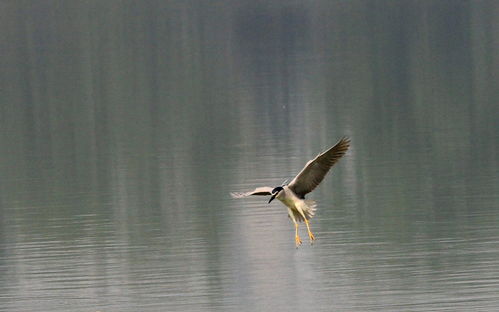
315,170
264,190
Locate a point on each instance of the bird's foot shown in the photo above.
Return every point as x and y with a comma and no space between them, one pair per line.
312,237
297,241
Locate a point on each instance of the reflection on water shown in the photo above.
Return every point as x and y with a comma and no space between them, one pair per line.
126,125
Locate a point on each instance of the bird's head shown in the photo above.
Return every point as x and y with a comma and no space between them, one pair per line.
275,192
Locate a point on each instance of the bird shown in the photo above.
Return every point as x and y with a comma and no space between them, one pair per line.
292,195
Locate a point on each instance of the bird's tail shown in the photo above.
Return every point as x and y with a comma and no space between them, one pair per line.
309,210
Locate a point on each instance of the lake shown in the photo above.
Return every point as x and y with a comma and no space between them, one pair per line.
126,125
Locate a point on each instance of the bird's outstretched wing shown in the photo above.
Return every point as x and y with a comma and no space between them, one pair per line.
264,190
315,170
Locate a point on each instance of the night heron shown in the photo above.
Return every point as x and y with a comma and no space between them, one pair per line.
293,194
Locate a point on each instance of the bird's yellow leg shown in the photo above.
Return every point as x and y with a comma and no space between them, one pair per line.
292,217
297,238
310,235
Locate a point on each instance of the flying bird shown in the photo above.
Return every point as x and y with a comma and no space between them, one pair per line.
292,195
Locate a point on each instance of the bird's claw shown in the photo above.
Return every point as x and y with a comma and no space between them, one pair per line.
297,241
312,238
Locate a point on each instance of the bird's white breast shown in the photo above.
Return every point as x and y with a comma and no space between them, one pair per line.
288,198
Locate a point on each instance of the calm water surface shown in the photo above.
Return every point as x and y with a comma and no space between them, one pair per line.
125,125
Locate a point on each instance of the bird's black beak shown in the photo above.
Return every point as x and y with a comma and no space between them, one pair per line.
272,198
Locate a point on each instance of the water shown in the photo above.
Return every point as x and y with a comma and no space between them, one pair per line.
125,125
